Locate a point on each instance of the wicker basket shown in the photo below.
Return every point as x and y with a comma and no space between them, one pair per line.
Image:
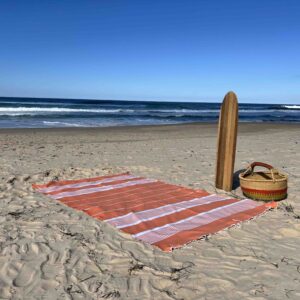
263,185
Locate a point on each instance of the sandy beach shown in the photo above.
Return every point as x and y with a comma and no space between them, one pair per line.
50,251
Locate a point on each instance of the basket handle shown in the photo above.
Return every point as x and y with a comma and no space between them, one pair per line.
260,164
251,167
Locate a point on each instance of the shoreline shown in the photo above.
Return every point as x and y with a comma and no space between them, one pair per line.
242,125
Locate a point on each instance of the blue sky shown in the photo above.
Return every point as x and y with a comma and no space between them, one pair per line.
151,50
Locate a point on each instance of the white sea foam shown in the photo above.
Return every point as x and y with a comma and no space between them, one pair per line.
292,106
31,111
23,110
59,124
17,111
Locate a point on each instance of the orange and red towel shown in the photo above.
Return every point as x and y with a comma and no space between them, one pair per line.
161,214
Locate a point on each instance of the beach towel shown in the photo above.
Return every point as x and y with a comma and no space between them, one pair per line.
161,214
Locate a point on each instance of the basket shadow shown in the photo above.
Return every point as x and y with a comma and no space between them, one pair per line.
236,180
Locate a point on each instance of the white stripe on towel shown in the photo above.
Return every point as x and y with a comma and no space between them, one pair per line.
101,189
134,218
160,233
85,183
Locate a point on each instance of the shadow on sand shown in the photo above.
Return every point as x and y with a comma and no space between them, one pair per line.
236,181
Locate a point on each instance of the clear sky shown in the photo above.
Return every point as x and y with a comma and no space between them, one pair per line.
151,50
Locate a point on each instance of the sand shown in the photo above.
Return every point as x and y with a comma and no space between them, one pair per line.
49,251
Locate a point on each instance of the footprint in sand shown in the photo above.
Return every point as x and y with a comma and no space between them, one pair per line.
25,276
52,268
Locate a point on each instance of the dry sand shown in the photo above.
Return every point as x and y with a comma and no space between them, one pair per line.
49,251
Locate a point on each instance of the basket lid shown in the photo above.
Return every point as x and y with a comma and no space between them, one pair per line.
271,175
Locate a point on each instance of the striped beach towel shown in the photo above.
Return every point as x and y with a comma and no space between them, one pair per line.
161,214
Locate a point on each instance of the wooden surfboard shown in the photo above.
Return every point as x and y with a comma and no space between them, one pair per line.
227,135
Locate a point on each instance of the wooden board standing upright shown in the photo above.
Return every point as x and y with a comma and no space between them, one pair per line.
227,135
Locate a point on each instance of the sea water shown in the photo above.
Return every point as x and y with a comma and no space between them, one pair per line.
41,112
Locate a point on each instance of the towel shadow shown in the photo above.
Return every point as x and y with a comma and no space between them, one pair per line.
236,180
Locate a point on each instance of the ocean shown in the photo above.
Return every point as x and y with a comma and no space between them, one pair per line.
41,113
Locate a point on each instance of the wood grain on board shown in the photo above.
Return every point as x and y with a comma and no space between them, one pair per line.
227,135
